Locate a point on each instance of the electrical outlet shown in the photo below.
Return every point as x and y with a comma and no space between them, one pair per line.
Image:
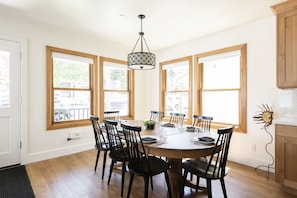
76,134
253,147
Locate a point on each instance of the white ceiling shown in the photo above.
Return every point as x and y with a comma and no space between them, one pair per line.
167,22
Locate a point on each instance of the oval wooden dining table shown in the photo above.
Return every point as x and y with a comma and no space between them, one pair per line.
180,144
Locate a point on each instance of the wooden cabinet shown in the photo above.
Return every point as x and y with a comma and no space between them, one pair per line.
286,14
286,156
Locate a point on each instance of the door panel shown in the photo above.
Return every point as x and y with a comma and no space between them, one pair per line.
10,105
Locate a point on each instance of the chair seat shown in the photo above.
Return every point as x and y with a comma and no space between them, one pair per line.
154,166
119,155
199,166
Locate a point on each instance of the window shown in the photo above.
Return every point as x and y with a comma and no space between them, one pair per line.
220,84
71,88
4,79
117,87
176,81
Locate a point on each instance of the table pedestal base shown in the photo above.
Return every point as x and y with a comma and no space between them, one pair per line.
175,177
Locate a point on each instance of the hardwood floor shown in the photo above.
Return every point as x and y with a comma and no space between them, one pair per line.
74,176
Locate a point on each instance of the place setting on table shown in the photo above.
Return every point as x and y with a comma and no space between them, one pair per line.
158,134
185,138
201,136
175,143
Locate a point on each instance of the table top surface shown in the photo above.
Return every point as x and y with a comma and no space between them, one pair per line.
180,143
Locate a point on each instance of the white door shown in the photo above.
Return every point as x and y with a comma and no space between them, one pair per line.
10,102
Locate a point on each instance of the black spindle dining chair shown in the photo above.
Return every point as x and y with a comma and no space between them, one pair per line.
177,118
212,167
101,142
157,116
203,122
118,153
140,163
111,115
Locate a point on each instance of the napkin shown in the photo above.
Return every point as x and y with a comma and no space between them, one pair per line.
190,128
206,139
148,139
168,125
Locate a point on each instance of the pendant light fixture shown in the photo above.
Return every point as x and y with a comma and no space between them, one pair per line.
141,60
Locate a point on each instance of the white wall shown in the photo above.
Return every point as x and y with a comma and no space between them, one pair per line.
38,143
260,37
261,52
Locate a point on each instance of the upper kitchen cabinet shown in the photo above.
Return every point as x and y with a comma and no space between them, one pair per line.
286,14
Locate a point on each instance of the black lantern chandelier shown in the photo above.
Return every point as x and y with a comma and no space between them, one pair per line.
141,60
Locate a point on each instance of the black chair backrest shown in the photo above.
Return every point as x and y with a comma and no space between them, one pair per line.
157,116
135,146
177,118
100,139
218,159
111,115
203,122
113,136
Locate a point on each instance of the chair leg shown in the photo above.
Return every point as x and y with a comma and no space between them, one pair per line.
146,183
110,171
208,181
104,162
97,158
130,184
123,178
197,183
184,183
223,187
152,186
168,184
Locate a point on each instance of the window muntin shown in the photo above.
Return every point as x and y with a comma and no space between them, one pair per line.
221,86
176,86
71,85
117,89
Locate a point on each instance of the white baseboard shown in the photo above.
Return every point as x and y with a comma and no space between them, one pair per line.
251,161
44,155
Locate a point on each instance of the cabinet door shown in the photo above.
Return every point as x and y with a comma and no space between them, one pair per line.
286,161
287,49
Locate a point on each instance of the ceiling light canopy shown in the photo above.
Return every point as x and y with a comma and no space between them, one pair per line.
141,60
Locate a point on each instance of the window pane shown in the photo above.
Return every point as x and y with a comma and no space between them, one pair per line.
223,106
116,101
177,78
71,74
4,80
222,73
71,105
115,78
176,102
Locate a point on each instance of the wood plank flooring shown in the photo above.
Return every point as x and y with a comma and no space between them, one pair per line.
73,176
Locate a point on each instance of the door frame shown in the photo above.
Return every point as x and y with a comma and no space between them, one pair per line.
24,120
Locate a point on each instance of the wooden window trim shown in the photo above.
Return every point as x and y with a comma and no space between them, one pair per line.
242,127
50,124
130,87
162,75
